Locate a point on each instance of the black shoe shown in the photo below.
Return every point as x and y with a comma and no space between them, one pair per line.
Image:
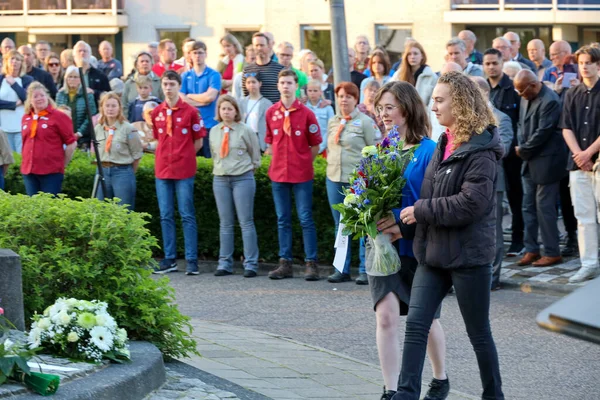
362,279
248,273
571,248
338,277
438,390
166,265
515,249
222,272
387,394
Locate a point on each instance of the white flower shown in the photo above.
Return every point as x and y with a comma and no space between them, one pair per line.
35,338
121,335
369,151
71,302
72,337
101,338
44,323
8,344
350,199
62,318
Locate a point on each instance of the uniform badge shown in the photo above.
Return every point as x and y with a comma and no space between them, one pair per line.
118,145
184,131
275,131
240,152
415,159
24,127
160,130
313,128
357,123
298,133
196,127
169,111
178,119
274,118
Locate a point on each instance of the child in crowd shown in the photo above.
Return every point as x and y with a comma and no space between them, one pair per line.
144,128
144,89
317,72
323,114
254,108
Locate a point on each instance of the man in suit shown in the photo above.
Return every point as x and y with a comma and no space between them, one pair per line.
543,151
515,46
505,130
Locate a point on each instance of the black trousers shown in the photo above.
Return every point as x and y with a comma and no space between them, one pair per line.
514,192
566,207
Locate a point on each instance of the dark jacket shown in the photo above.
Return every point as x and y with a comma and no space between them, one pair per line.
99,82
541,144
456,215
505,98
21,91
45,79
78,113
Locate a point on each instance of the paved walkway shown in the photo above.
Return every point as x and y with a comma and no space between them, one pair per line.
281,368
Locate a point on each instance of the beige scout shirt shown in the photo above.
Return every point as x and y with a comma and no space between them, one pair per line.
244,150
126,144
344,156
6,156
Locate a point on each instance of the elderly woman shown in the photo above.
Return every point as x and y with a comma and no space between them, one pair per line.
48,142
455,233
379,66
120,150
71,94
348,133
53,67
143,66
414,70
13,86
231,63
511,68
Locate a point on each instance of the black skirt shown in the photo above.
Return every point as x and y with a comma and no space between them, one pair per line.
399,283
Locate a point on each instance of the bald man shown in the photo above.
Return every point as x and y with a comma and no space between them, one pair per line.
505,131
544,154
109,66
536,51
470,39
362,48
7,45
515,47
554,75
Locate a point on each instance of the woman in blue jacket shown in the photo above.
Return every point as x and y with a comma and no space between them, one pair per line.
400,107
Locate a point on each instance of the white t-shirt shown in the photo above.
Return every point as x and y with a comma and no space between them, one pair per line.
10,120
252,118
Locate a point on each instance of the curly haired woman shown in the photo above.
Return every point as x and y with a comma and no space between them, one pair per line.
456,235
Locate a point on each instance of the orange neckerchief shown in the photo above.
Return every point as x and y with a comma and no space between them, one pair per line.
170,119
109,139
225,141
287,123
343,123
34,124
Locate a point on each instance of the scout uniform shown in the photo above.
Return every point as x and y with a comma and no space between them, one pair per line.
235,149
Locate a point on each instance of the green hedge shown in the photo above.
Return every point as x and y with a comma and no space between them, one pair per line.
79,180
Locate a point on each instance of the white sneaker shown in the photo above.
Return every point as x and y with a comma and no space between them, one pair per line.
584,274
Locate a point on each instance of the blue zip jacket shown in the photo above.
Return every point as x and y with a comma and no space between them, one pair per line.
414,174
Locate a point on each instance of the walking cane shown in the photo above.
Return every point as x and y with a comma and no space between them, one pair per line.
100,176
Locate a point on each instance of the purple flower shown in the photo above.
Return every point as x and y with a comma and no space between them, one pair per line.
385,142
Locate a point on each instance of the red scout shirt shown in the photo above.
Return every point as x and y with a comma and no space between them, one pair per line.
44,154
176,155
159,68
292,160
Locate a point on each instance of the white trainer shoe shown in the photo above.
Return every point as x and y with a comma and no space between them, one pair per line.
584,274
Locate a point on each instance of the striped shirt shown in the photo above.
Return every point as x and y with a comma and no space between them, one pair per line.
269,75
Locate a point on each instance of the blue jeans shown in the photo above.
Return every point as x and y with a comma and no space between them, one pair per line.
235,195
15,140
430,286
50,183
120,182
335,196
282,196
184,188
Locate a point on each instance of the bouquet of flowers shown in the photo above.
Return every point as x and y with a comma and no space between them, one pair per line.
79,329
375,189
14,356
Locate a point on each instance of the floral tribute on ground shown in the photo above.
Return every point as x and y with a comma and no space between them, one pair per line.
79,329
375,189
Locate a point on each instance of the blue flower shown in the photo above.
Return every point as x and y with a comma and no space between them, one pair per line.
367,202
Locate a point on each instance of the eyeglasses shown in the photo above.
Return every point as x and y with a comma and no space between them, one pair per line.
53,64
281,55
379,110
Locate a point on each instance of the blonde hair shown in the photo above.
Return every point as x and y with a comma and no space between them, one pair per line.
314,82
143,80
6,62
229,99
469,108
232,40
35,85
103,99
318,63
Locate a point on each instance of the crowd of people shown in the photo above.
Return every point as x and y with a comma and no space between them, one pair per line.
488,127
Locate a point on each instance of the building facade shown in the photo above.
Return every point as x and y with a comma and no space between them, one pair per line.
131,24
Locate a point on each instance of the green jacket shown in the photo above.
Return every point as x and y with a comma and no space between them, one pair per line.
78,113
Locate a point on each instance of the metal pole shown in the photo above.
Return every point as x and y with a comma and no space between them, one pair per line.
94,142
339,42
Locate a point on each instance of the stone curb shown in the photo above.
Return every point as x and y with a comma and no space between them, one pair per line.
130,381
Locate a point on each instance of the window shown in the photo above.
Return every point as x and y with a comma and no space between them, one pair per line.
243,36
317,39
392,38
176,35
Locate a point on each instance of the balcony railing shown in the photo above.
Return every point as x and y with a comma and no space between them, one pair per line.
62,7
537,5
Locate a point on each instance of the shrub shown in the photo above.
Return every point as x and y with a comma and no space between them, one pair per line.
79,179
89,250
